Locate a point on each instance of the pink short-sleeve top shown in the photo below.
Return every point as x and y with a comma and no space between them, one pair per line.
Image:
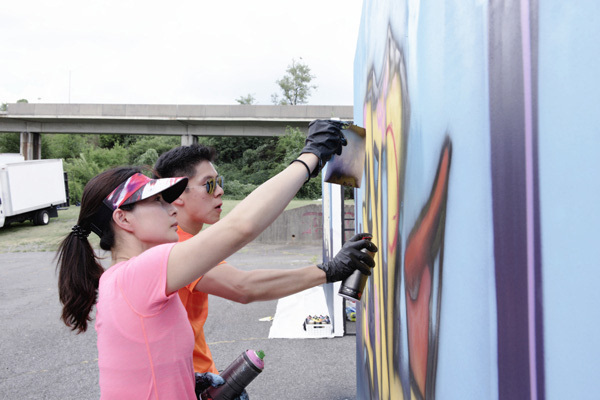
145,341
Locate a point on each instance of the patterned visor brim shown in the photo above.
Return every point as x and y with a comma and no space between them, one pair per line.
139,187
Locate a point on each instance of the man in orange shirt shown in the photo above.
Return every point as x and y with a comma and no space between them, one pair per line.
200,204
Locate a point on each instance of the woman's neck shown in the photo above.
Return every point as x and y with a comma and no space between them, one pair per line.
126,248
118,259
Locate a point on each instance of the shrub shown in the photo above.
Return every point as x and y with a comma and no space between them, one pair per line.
236,190
10,143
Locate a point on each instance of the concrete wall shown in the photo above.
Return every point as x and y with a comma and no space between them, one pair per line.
480,187
302,224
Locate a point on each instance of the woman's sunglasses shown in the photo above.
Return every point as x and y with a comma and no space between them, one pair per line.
211,184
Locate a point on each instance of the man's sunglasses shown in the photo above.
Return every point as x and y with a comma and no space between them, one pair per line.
211,184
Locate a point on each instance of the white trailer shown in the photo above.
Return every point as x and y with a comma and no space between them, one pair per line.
31,190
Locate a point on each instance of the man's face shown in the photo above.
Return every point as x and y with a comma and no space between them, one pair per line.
198,204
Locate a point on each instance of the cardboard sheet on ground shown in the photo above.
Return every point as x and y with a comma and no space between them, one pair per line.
292,311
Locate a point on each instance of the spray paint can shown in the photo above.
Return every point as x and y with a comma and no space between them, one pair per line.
352,287
237,376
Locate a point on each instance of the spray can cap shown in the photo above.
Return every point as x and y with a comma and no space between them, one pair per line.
260,354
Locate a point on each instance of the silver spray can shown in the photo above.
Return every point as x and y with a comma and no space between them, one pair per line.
237,376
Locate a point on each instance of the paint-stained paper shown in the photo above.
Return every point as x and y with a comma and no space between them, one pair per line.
347,168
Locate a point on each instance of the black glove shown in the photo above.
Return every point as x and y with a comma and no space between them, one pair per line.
350,258
206,380
325,138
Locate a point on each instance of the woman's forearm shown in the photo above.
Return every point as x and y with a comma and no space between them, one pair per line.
257,211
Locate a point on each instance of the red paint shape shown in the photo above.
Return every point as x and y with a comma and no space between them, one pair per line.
418,330
418,269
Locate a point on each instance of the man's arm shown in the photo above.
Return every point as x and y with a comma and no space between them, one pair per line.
258,285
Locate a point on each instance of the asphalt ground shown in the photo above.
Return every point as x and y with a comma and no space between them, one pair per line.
42,359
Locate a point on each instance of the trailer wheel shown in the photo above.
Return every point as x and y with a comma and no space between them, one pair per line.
42,217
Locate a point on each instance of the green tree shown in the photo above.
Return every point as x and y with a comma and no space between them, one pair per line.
10,143
142,151
248,99
66,146
242,159
230,149
247,162
258,164
107,158
90,163
291,144
148,159
109,141
295,85
80,170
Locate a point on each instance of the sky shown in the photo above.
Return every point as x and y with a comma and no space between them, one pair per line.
174,52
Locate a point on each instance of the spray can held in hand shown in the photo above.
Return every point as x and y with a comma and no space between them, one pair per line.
352,287
237,376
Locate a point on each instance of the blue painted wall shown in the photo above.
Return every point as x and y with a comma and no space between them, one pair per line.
481,184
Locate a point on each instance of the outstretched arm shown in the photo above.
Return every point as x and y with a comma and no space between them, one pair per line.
269,284
260,284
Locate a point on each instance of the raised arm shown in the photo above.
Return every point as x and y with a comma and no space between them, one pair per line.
190,259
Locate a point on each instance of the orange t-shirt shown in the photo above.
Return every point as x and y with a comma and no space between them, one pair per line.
196,305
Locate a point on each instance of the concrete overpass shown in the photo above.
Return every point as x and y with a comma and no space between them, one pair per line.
188,121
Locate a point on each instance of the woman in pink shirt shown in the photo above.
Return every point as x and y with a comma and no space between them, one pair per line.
145,342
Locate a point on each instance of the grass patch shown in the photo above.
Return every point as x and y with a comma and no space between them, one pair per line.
26,237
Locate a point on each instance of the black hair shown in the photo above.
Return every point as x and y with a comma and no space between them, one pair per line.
78,265
182,161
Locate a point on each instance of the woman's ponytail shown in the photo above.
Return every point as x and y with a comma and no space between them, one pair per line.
78,266
78,278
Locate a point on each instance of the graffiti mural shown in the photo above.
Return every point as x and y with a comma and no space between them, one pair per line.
477,192
386,118
386,110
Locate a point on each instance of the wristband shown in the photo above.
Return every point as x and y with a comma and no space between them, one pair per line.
307,168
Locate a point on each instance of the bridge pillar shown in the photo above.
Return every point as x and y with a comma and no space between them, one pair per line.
187,140
31,145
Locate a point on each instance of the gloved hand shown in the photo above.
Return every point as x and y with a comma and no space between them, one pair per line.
325,138
350,258
206,380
